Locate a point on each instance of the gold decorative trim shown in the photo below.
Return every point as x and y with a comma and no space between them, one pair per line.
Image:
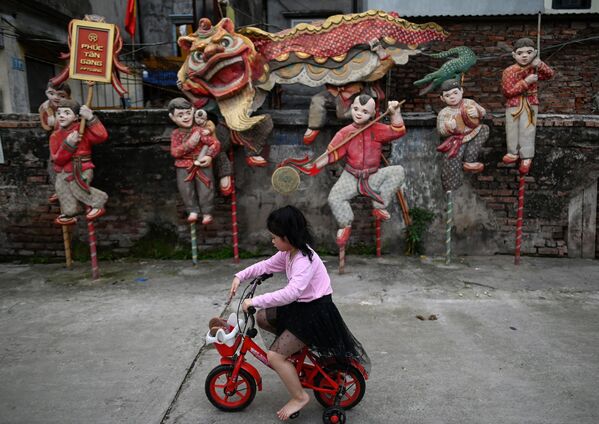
282,58
334,21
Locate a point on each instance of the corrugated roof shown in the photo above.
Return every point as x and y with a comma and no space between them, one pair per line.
414,8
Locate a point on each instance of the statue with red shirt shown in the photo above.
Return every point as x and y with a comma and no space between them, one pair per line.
47,111
71,152
194,148
520,88
362,174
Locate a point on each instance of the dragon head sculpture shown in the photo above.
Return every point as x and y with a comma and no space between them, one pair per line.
221,65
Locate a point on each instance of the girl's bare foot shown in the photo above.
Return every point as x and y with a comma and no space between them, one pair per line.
294,405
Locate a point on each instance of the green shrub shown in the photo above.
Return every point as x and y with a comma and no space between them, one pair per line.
415,231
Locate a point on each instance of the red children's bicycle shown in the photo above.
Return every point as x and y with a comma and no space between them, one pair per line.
231,386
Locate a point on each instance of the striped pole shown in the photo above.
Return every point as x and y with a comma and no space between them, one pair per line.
519,219
194,244
66,238
341,259
92,250
448,228
234,210
377,223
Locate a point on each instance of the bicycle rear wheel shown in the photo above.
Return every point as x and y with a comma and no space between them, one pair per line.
352,381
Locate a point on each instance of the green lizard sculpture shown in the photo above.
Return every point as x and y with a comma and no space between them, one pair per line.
453,68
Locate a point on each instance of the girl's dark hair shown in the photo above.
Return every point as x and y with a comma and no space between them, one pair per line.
291,223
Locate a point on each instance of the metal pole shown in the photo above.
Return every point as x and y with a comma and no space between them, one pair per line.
377,223
448,228
519,219
234,210
92,250
66,238
194,244
194,14
139,23
341,259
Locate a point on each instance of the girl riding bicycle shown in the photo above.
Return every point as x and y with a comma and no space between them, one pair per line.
302,313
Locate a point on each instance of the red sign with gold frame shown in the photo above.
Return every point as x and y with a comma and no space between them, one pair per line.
91,51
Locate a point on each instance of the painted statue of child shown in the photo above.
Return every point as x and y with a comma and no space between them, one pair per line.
221,160
460,124
520,88
71,154
47,111
195,179
362,174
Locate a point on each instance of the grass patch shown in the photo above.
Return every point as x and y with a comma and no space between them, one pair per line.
421,218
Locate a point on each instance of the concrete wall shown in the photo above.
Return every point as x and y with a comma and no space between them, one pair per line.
135,168
276,9
13,77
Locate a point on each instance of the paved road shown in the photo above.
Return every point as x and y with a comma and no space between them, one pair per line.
510,345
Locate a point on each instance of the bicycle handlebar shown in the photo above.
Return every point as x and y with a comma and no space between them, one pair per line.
264,277
256,282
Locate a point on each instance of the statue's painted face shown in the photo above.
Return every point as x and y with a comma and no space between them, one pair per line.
55,96
524,55
360,113
182,117
65,116
453,97
200,117
220,61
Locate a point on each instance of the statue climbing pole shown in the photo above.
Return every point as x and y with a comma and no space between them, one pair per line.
94,46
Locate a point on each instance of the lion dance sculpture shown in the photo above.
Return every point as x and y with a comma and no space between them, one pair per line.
345,54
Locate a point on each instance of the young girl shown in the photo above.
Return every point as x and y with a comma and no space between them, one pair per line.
302,313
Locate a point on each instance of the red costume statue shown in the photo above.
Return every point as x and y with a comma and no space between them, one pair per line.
362,173
71,154
520,88
194,149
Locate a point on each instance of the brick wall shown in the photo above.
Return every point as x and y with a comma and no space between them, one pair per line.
571,91
135,168
566,159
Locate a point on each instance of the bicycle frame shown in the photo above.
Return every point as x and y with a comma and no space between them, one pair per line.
307,372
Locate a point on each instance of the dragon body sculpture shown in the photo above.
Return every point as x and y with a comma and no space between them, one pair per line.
236,69
453,68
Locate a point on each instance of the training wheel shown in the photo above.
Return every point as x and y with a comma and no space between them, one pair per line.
333,415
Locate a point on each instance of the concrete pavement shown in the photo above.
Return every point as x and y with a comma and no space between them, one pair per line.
510,345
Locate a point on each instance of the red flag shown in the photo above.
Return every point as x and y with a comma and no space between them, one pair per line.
130,17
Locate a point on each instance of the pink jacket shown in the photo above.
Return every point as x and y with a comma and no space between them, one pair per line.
307,281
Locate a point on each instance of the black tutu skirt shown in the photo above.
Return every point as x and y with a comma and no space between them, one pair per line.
320,326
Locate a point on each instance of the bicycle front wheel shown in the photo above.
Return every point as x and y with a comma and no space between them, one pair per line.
227,395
